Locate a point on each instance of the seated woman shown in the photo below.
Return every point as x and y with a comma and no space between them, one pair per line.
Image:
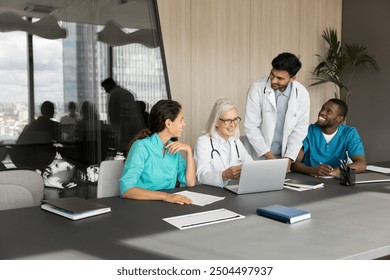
219,151
155,163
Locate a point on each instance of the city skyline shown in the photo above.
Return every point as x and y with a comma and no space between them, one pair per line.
71,69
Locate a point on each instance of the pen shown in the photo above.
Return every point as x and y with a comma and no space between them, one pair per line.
342,165
345,172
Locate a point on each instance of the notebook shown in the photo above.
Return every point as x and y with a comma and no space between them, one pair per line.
74,208
261,176
305,184
283,213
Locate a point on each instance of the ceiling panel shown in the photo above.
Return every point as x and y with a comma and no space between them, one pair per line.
128,13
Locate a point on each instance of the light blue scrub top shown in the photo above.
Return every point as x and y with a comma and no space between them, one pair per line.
317,151
148,168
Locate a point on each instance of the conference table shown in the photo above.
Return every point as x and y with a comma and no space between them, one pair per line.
346,223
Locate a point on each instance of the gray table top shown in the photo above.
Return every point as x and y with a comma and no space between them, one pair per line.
346,223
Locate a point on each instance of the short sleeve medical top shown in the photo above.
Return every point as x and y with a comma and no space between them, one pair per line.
346,143
149,168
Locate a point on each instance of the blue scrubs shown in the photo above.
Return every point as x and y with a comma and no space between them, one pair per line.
317,151
148,168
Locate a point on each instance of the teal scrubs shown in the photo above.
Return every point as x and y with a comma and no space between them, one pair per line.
317,151
148,168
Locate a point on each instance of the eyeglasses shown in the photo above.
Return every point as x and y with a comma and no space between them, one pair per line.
230,121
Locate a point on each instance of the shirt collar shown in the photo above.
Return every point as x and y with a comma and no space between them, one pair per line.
219,139
156,140
286,93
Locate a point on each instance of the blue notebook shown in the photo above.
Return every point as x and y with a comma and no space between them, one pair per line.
283,213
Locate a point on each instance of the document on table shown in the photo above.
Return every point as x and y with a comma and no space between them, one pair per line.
201,199
378,169
203,218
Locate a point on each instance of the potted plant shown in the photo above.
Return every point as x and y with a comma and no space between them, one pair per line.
340,64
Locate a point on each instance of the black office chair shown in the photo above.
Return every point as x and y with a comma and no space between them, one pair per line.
33,151
3,154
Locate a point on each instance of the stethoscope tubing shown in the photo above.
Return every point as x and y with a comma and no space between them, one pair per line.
216,151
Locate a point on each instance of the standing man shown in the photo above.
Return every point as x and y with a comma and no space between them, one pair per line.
123,114
277,111
328,141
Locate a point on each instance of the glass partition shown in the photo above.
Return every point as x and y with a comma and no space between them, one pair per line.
55,116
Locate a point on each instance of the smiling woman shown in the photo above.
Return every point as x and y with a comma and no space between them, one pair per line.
155,162
219,152
71,69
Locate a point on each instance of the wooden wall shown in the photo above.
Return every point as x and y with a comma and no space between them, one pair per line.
217,48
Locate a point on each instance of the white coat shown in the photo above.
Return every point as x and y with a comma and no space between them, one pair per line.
209,168
260,118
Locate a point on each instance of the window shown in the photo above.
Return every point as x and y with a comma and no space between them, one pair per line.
71,69
48,74
13,78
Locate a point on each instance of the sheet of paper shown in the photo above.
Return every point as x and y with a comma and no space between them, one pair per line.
200,198
203,218
378,169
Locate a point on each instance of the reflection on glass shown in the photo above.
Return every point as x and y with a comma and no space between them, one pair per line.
70,71
13,80
140,69
48,74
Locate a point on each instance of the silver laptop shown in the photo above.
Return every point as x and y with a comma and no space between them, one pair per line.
371,177
261,176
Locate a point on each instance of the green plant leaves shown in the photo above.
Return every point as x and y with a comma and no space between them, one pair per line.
340,62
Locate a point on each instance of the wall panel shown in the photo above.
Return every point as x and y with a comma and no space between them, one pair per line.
315,17
217,48
272,31
220,61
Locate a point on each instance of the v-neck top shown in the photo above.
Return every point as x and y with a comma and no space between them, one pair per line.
149,168
345,143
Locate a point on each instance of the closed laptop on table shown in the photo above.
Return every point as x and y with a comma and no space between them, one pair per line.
371,177
261,176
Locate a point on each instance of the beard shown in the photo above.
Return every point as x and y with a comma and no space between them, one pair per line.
324,125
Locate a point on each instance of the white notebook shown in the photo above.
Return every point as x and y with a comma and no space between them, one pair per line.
203,218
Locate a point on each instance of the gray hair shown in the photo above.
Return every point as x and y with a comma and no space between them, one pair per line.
221,106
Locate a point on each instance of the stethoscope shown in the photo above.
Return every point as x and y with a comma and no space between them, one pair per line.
216,151
296,89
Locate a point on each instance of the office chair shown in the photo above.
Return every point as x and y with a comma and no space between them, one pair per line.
3,155
33,150
110,172
20,188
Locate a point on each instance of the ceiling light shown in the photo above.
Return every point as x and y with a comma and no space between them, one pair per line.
40,9
46,27
113,34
